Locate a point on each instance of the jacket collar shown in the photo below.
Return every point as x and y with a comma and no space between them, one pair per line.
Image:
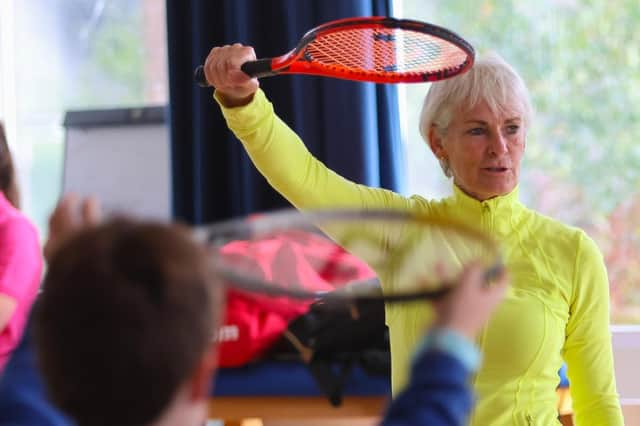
496,204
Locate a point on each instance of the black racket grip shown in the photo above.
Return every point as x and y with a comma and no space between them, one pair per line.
493,273
260,68
200,78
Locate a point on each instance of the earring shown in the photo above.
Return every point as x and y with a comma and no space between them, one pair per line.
446,168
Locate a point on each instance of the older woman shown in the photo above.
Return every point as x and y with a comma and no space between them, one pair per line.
557,306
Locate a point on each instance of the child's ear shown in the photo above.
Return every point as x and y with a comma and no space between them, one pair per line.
201,379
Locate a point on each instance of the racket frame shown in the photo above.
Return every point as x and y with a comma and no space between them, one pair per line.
282,220
293,62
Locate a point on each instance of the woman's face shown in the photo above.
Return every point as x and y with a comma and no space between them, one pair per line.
483,149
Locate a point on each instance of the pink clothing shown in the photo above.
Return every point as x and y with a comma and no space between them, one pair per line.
20,272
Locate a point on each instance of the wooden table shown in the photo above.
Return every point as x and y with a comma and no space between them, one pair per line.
294,410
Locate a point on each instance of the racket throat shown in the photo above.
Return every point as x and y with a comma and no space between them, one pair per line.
258,69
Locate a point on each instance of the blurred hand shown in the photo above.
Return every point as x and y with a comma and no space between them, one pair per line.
222,70
469,305
70,216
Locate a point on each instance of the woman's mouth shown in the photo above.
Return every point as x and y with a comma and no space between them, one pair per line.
496,169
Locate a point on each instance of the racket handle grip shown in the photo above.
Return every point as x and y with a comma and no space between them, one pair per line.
258,69
199,77
492,273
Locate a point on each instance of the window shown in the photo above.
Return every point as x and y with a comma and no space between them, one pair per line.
582,163
87,54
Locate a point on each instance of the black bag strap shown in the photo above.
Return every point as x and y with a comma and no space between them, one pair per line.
330,378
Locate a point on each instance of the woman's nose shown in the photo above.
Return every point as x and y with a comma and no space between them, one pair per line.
498,144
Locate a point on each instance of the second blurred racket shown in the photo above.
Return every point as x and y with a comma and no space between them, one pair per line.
301,255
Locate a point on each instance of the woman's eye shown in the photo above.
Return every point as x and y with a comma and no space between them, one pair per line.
513,129
476,131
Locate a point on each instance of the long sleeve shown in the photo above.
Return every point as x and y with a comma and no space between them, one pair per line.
587,349
20,260
23,400
282,158
438,393
20,271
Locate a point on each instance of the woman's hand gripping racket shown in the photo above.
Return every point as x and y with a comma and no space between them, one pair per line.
289,255
375,49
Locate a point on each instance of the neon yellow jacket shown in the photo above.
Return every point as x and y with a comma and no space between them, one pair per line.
557,305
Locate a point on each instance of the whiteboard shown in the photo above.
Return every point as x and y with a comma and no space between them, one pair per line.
123,158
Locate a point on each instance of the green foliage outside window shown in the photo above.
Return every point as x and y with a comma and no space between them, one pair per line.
581,62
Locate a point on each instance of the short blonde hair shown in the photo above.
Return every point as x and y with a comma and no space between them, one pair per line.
490,79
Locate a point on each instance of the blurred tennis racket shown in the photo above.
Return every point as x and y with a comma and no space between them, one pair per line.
415,256
375,49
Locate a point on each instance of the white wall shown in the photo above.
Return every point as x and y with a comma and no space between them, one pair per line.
626,353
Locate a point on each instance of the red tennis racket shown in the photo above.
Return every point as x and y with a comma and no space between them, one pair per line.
374,49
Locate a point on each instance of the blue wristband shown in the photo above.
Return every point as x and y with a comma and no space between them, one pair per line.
452,343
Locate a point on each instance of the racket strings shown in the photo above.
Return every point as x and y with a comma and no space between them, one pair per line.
385,51
325,254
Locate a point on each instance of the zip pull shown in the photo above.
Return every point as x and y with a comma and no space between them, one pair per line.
529,419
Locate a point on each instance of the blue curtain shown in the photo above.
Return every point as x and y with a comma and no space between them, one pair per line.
352,127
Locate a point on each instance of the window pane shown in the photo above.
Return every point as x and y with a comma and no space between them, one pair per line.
582,164
73,54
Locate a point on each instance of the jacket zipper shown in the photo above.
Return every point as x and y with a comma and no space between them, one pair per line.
529,420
